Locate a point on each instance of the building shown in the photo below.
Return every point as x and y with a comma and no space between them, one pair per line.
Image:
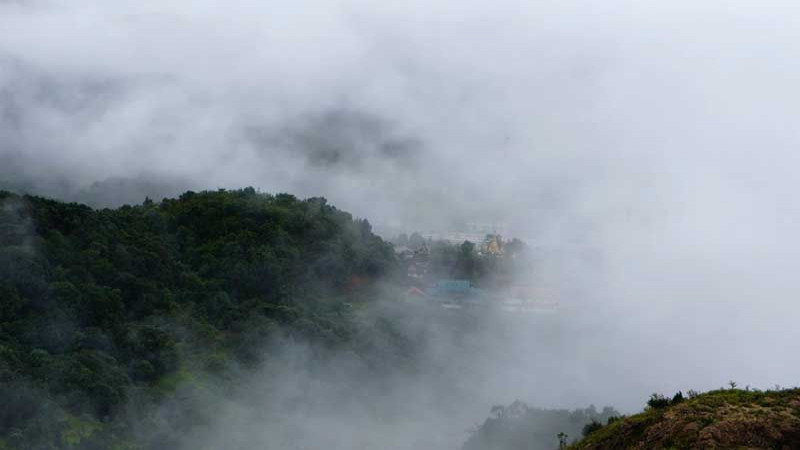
492,245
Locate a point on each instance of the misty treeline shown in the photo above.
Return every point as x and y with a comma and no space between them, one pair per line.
521,427
107,313
469,260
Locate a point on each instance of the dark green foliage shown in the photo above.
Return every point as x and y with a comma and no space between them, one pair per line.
467,265
562,440
96,305
658,401
591,427
612,419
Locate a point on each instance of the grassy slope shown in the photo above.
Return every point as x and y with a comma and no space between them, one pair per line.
723,419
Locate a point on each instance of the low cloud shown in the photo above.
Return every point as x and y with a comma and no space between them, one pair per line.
658,137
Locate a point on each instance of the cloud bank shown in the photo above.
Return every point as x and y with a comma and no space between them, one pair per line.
658,135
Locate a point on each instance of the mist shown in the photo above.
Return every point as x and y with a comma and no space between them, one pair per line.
657,137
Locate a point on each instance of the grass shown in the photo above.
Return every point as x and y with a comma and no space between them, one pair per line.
729,416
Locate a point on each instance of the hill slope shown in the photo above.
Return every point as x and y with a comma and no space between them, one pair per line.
723,419
104,310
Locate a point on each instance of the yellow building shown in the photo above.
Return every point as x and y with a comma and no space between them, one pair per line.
493,244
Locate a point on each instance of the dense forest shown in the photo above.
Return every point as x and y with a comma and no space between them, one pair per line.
105,311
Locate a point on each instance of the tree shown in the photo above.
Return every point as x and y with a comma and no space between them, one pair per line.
591,427
657,401
416,241
515,247
562,440
402,240
467,262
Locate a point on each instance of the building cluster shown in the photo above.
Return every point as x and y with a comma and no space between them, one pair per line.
424,284
476,233
460,294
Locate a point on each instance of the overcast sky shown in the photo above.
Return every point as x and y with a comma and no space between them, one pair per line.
661,133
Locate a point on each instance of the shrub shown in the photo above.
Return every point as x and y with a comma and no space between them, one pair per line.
591,427
612,419
562,440
658,401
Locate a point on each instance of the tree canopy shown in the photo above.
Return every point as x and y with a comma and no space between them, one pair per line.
99,304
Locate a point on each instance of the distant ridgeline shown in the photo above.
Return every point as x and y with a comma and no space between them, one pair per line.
520,427
100,304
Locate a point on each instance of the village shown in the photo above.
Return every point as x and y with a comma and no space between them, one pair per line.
473,270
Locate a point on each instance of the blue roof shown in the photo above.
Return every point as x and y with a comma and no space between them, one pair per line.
453,286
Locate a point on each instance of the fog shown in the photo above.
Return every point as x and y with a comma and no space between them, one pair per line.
658,136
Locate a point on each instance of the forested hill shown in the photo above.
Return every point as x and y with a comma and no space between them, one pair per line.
100,304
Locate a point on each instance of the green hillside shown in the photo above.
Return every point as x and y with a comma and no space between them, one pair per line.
106,312
723,419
